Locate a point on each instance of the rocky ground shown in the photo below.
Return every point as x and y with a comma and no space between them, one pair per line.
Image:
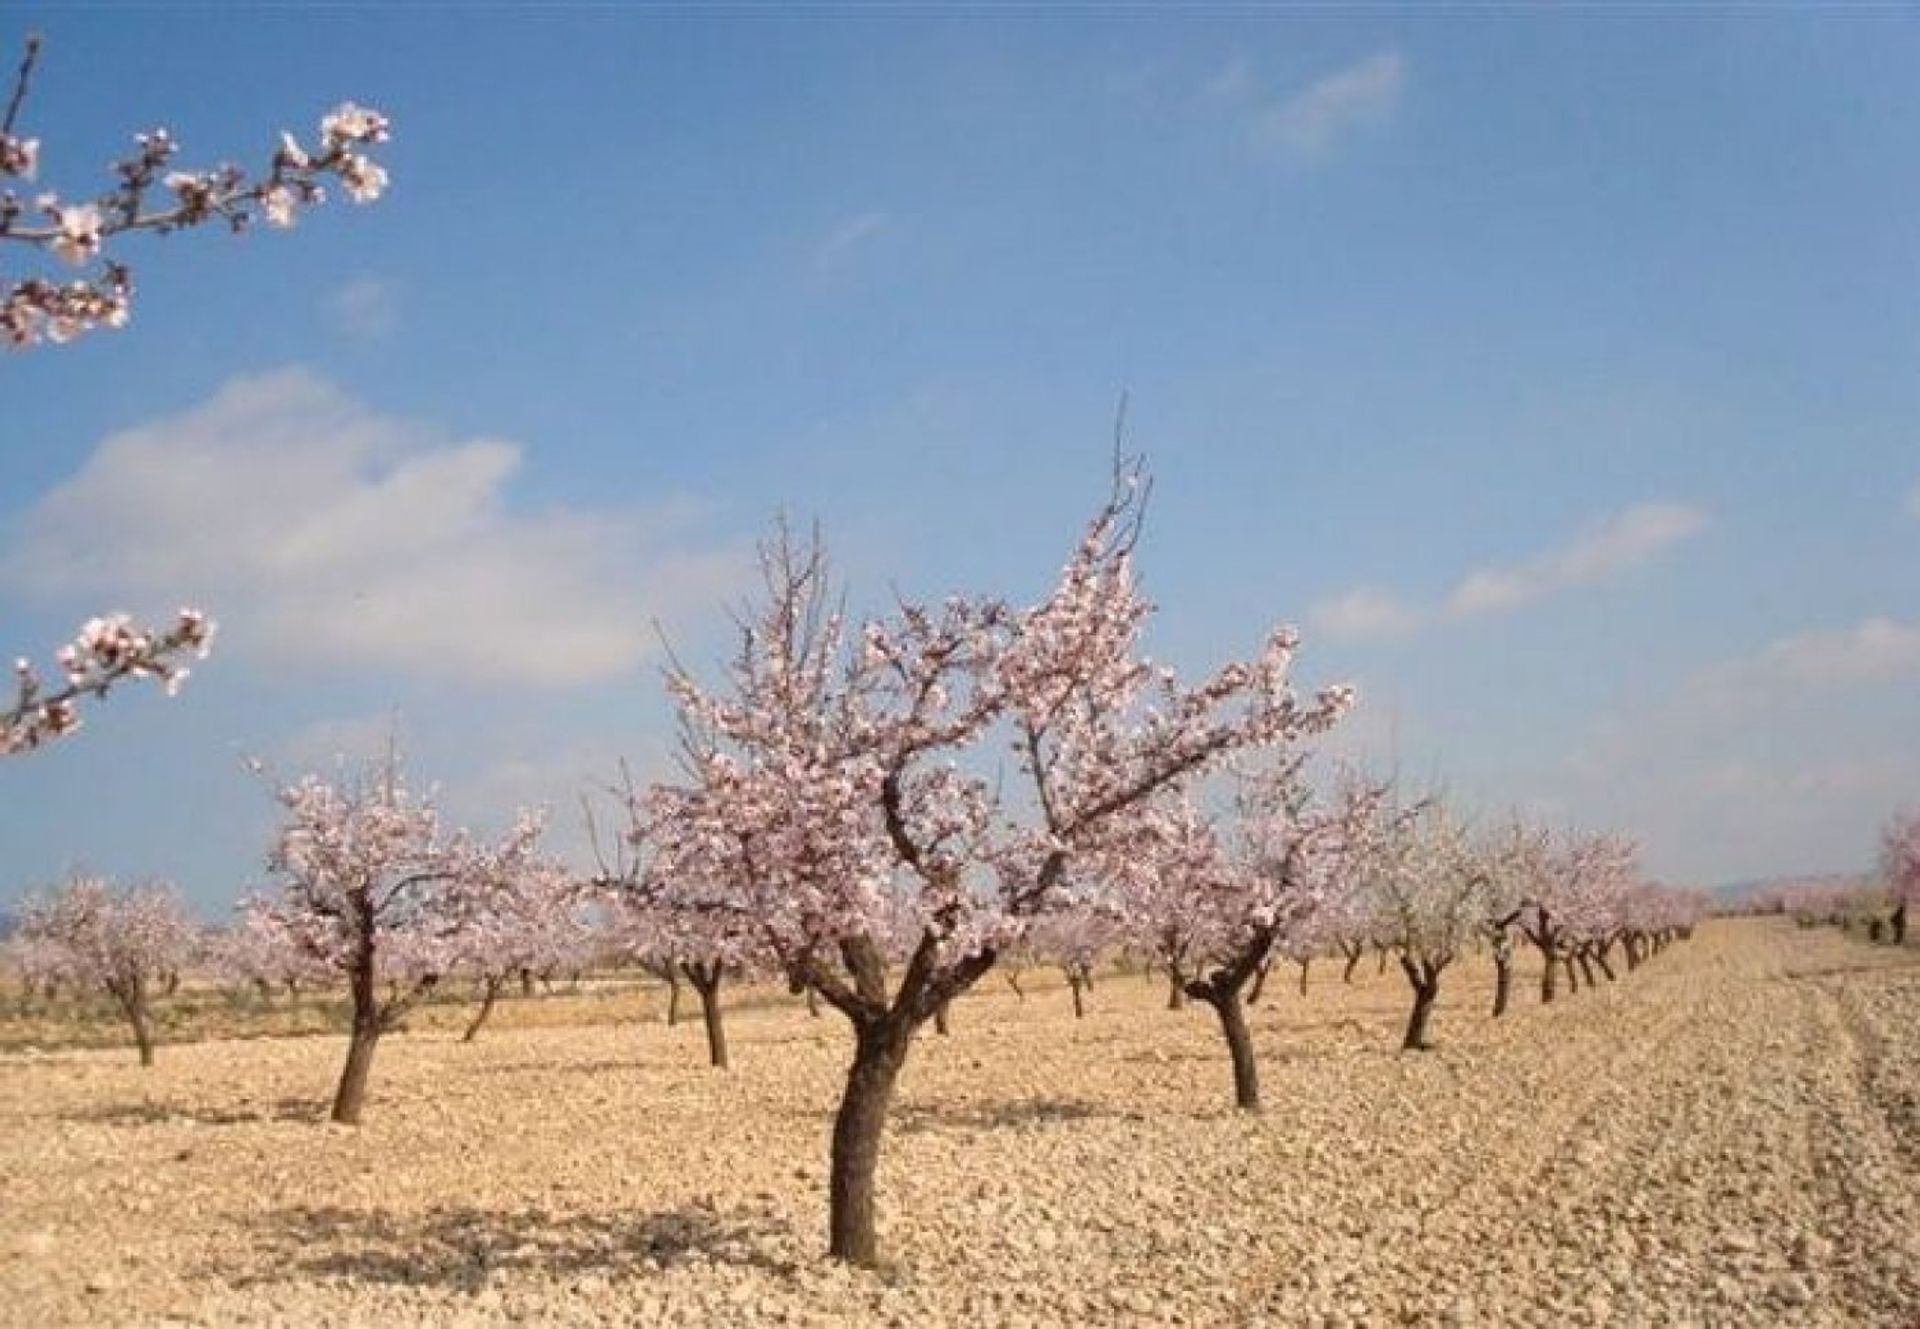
1729,1137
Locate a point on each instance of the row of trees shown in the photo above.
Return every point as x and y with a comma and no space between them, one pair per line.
878,814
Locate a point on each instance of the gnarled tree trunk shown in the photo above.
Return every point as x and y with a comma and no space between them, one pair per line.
489,990
706,977
880,1050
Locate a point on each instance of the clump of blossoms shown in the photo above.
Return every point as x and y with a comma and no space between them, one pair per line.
837,783
151,192
122,943
105,651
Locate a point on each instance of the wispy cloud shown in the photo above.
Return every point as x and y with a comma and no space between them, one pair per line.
366,308
1621,543
1609,548
1313,119
1875,650
1366,613
848,236
326,534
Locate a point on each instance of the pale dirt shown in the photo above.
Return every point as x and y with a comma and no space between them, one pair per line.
1730,1136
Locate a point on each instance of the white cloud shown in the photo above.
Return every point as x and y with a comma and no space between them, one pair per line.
366,308
1607,549
1314,118
847,236
1875,650
1365,613
1621,543
323,533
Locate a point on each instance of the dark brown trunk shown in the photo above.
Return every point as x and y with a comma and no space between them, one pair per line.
1233,1024
136,1008
1353,962
1259,985
673,998
490,988
813,1002
526,982
1573,978
1381,953
1600,958
706,980
1502,981
1423,997
1549,977
1176,987
351,1096
1586,968
940,1020
1899,923
1304,966
880,1050
1077,985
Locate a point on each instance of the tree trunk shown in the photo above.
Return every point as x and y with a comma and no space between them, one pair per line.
526,982
1549,976
1304,966
1502,981
673,998
1381,953
1013,981
1233,1023
135,1006
1899,921
1353,962
352,1093
813,1002
490,988
1586,968
1176,987
1424,993
940,1020
706,980
1600,958
1573,979
1075,983
880,1050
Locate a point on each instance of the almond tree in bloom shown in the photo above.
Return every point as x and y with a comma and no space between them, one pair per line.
123,943
1581,871
1513,864
150,192
1237,898
1425,878
1900,864
257,952
105,651
378,892
527,922
830,784
1076,940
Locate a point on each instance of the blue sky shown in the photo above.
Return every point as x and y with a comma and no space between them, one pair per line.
1556,373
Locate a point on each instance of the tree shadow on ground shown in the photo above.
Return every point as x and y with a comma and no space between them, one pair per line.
465,1249
1000,1116
200,1114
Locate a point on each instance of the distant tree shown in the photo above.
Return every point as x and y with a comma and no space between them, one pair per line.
1900,864
123,943
379,893
528,922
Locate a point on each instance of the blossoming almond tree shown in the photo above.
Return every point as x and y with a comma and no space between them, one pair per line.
124,943
375,889
828,781
527,921
1425,877
151,193
1900,864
